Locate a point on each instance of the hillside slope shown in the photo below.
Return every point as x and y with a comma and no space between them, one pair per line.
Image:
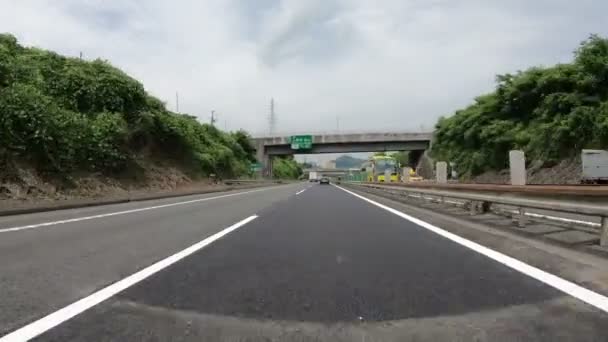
551,113
63,118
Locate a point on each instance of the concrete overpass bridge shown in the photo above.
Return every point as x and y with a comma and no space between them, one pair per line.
268,147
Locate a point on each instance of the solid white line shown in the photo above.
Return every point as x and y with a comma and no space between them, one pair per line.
54,319
77,219
562,219
593,298
301,191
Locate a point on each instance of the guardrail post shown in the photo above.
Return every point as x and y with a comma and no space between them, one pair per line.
604,232
521,217
484,207
473,208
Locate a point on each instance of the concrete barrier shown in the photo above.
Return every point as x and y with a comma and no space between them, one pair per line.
517,165
441,171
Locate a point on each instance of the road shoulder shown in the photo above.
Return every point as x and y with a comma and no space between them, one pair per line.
584,269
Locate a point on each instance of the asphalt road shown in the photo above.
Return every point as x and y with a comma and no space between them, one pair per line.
322,265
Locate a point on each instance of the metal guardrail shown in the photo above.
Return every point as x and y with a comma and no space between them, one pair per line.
569,190
245,181
478,202
257,181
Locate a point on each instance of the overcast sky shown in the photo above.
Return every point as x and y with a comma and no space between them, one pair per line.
362,65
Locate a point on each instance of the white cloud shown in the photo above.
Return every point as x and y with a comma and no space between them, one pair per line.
376,65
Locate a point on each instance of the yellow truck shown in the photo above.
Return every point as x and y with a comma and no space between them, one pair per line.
414,176
382,169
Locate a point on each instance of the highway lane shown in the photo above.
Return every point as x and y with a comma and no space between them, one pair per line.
324,265
47,267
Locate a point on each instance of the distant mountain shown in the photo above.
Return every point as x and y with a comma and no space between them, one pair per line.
348,162
308,165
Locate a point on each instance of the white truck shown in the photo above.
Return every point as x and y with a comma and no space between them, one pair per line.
595,167
313,176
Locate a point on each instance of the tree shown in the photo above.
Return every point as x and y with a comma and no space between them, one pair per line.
244,140
64,114
550,113
286,168
403,158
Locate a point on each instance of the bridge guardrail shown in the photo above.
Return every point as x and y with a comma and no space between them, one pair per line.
479,202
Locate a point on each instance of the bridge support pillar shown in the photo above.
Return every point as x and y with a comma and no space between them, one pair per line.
264,159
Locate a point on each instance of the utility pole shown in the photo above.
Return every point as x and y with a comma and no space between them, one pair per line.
338,123
80,55
272,119
176,102
213,118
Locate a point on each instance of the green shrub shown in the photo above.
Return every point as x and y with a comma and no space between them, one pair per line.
550,113
286,168
64,114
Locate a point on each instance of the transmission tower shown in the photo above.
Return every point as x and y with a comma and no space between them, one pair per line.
272,118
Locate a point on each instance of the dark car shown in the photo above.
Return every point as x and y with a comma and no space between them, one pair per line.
324,180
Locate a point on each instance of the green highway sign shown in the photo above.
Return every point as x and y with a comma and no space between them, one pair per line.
301,142
255,166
